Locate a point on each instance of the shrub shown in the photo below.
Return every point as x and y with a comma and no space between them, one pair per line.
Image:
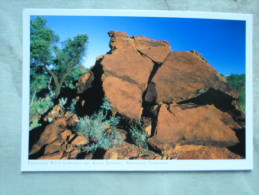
41,106
72,106
35,124
138,135
100,130
238,83
62,101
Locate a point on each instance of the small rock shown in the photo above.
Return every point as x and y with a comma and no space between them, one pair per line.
69,148
85,82
80,140
57,155
89,156
73,154
111,154
65,134
147,125
123,134
72,120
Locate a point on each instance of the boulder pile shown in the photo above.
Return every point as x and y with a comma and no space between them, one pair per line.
187,108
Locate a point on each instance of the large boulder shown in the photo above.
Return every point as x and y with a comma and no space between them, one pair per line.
201,125
178,96
129,65
202,152
125,97
120,41
127,69
157,51
184,75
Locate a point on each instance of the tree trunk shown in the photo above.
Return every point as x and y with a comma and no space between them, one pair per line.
58,89
56,82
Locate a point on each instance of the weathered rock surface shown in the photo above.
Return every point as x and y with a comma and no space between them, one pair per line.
184,75
155,50
197,125
127,69
202,152
130,66
125,97
85,82
56,142
129,151
58,112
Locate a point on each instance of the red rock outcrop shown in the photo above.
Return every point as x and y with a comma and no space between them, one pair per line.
125,97
203,152
185,75
127,69
155,50
128,151
198,106
197,125
187,109
56,142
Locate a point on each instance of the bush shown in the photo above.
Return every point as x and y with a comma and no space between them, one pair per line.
41,106
72,107
35,124
100,130
138,135
62,101
238,83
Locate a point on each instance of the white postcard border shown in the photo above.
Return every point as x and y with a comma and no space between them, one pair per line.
135,165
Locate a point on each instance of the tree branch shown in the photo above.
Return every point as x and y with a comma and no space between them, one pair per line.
33,96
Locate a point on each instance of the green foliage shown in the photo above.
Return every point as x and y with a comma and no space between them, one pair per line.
35,124
73,77
41,106
56,62
114,121
62,101
106,105
238,83
50,120
72,107
69,57
138,134
241,100
38,83
100,130
199,54
42,40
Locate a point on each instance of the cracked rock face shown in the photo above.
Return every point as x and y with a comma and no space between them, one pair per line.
183,75
127,69
57,142
125,97
186,99
200,125
157,51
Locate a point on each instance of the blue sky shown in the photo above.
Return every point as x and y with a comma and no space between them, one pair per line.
221,42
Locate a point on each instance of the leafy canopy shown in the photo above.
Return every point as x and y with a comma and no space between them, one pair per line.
42,42
54,61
